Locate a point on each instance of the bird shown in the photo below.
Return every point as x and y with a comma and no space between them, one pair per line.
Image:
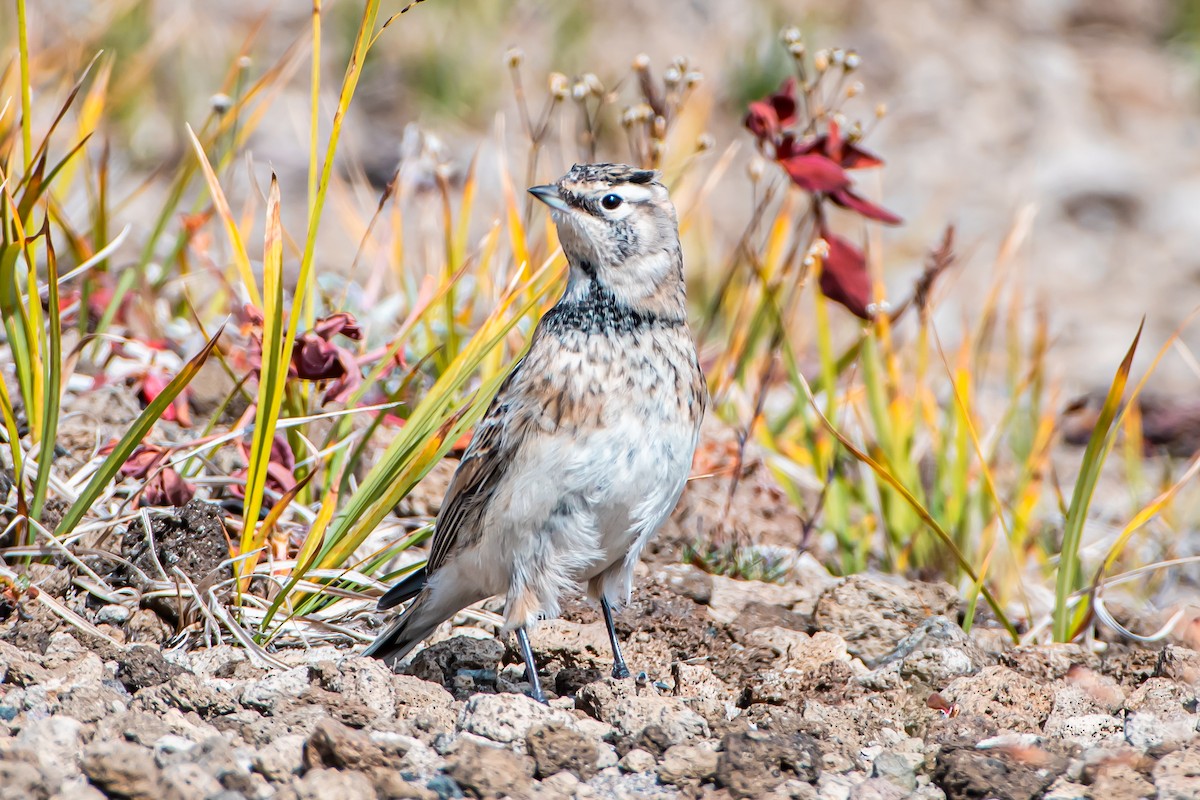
586,447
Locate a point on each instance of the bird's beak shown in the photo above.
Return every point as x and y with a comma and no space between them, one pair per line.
549,195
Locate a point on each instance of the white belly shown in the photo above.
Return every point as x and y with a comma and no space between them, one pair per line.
579,507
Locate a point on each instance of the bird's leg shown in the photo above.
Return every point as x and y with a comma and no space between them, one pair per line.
619,668
530,666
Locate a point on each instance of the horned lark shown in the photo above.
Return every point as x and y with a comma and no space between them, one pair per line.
586,447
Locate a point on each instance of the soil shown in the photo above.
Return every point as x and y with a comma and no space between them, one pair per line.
816,687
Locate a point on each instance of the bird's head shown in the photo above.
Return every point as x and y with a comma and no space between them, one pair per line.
618,229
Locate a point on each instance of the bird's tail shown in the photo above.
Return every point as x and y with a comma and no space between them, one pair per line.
417,622
431,606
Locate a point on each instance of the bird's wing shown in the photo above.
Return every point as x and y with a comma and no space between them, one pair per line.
476,478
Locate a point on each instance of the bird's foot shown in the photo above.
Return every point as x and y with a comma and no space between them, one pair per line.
620,671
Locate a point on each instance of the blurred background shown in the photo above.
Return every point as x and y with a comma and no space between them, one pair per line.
1069,125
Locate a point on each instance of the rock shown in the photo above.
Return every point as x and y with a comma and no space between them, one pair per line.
686,764
636,760
507,718
574,644
730,597
935,653
324,784
335,745
1150,732
796,650
1066,789
370,683
275,691
141,666
280,758
877,789
113,614
441,662
1009,699
559,785
390,784
122,770
1085,730
21,668
188,782
57,741
617,704
619,786
1119,780
20,780
896,769
968,774
688,581
82,792
704,693
753,763
488,771
873,613
556,748
1177,775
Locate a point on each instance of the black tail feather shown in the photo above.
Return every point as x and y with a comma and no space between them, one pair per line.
405,590
405,633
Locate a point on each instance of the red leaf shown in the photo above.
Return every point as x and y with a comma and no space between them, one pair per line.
341,322
315,358
164,487
167,488
844,277
815,173
768,117
142,461
854,157
846,198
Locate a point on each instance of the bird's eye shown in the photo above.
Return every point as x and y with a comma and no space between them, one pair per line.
610,201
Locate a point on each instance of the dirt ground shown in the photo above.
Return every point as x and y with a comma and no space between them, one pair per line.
815,687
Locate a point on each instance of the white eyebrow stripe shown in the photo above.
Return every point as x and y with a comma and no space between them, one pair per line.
632,192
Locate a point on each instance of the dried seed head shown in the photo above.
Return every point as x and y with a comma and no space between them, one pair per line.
514,57
244,62
220,102
634,114
791,35
821,60
837,57
881,111
560,87
819,249
656,149
797,49
672,77
593,83
580,90
660,127
854,89
755,169
853,61
705,142
692,79
641,62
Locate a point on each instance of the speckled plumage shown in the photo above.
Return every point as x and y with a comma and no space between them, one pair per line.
588,443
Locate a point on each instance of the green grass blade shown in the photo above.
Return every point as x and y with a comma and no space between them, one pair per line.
272,378
1098,447
52,367
919,509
